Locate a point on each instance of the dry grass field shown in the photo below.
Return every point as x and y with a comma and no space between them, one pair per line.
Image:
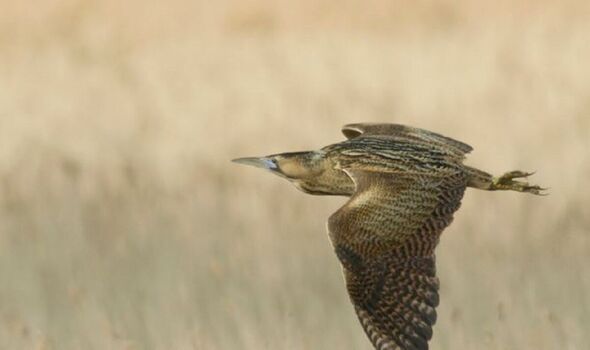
123,224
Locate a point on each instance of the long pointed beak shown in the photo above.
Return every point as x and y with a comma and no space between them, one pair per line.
259,162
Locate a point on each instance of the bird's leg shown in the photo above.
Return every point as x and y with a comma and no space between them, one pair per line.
506,182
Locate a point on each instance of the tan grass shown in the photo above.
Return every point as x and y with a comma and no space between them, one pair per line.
123,225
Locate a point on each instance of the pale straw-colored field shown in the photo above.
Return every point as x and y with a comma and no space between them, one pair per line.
123,224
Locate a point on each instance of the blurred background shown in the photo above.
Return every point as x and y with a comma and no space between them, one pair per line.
123,224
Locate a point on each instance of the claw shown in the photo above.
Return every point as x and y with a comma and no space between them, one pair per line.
538,190
516,174
506,182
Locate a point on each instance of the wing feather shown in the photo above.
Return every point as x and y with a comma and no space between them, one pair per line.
385,236
400,132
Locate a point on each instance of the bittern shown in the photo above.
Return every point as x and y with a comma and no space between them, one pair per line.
404,185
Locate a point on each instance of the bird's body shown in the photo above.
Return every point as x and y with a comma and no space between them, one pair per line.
404,185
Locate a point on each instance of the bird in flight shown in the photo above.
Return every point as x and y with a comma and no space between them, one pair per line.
404,185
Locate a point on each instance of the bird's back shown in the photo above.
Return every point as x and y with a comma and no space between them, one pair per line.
386,154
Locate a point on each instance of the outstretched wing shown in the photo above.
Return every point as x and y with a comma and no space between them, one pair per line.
385,236
409,134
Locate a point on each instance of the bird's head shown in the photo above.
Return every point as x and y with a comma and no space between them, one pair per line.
301,168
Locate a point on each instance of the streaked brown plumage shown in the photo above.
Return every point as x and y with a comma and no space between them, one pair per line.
404,185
